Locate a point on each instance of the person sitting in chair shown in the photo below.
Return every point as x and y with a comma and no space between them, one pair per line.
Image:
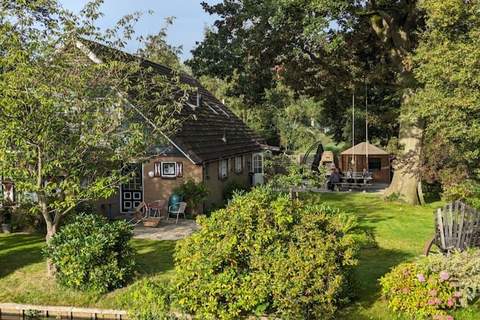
365,175
349,175
333,179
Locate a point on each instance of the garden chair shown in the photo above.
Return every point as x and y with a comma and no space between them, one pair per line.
457,227
155,208
140,213
177,209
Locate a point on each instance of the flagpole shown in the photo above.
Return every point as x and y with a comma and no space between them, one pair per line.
354,163
366,125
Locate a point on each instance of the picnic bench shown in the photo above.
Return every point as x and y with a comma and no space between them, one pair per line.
457,227
356,181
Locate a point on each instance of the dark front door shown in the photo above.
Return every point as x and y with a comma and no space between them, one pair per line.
132,190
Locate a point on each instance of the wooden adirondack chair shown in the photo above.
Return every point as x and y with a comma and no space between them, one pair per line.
457,227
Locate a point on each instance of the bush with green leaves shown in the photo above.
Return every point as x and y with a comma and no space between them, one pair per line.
148,299
434,285
266,254
92,254
468,191
232,188
193,194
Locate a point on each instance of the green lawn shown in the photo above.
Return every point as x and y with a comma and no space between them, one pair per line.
399,231
23,272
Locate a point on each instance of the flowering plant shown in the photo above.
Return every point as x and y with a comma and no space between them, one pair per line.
413,289
431,287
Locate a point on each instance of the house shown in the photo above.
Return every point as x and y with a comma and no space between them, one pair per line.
367,156
212,146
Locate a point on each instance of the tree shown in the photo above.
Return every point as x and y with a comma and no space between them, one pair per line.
69,126
327,50
446,66
155,48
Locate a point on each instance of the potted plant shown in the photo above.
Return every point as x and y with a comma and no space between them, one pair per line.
193,194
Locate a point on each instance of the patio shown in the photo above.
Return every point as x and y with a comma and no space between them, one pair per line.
167,230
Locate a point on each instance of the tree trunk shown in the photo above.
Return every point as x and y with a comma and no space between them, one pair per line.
51,231
52,226
406,176
395,33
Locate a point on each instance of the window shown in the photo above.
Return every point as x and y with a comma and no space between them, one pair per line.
374,163
168,169
238,164
257,163
223,169
249,164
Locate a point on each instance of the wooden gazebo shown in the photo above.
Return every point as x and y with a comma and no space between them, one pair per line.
367,156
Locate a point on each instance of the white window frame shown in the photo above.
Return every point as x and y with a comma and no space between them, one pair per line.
169,175
238,164
255,163
223,169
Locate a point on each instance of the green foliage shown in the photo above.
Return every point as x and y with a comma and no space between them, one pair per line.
274,165
155,48
193,193
468,191
66,129
266,254
432,191
464,269
434,285
394,197
319,49
416,291
92,254
233,188
296,117
147,299
446,66
296,176
25,220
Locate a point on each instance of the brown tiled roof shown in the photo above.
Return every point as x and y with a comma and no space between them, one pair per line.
209,132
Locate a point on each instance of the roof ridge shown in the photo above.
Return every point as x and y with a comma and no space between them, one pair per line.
196,121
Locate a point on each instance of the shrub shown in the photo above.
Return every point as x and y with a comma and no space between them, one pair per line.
92,254
432,286
464,271
193,193
468,191
24,219
233,188
147,299
266,254
299,176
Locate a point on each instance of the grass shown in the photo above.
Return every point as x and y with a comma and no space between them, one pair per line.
399,231
23,272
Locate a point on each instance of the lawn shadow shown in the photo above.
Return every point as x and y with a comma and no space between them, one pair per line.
154,257
373,264
18,251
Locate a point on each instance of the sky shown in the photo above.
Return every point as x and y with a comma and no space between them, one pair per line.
187,29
